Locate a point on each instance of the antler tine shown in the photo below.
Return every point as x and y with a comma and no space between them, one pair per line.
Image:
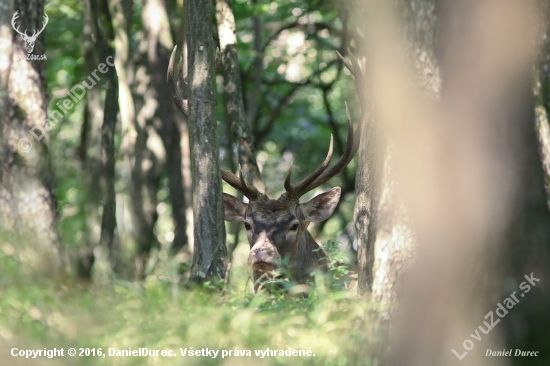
322,174
179,89
301,188
249,191
15,27
343,60
289,187
352,145
239,184
45,22
179,100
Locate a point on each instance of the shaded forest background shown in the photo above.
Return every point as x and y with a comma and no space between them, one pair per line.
294,90
453,177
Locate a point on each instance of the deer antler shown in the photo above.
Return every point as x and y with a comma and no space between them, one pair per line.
180,90
240,185
37,33
322,174
13,19
180,96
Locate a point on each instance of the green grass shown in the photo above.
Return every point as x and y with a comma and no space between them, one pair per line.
38,312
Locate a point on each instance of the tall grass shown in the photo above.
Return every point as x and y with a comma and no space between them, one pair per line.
38,312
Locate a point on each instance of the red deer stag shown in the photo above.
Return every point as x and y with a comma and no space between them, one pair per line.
277,228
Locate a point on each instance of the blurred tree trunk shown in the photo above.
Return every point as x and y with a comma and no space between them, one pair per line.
175,9
527,245
149,158
386,244
478,202
89,153
110,112
209,259
542,87
132,221
28,212
160,46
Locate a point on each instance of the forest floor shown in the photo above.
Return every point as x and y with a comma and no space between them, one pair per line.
329,326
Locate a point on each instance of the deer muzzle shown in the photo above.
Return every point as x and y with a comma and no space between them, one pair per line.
264,257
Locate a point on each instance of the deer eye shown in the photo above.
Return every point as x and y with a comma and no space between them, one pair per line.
247,226
294,227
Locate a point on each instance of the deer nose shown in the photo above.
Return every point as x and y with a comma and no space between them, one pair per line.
264,252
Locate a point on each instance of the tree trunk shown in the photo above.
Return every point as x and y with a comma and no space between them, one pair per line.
28,212
178,35
108,219
385,228
209,259
471,175
234,95
89,154
148,162
160,45
366,207
542,87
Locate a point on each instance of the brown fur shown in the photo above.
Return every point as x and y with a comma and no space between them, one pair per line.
271,228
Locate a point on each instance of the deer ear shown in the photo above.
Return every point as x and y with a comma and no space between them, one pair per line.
235,210
321,207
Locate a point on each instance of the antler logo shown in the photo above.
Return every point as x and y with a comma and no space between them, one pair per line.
29,40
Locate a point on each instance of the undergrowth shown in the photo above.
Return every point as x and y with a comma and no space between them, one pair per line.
331,322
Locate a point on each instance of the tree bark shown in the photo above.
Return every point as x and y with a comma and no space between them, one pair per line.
234,94
367,190
28,207
209,259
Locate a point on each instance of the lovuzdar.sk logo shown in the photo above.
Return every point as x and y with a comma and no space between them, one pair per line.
29,40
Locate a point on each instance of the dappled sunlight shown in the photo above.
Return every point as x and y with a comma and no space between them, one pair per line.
124,316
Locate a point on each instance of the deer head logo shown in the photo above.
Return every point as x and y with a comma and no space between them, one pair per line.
29,40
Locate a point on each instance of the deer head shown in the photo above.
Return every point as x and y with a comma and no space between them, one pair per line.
29,40
277,228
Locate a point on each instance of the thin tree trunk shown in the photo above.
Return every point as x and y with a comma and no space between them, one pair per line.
89,153
130,215
366,205
234,94
108,220
209,259
178,35
148,161
234,227
159,47
28,212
